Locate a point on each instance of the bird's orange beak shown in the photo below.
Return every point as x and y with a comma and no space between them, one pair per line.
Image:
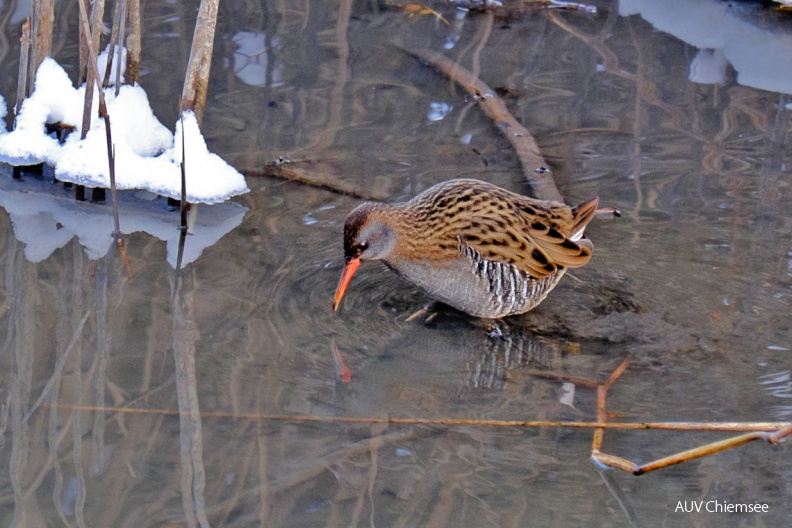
349,269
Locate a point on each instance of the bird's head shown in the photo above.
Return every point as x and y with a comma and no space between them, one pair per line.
367,236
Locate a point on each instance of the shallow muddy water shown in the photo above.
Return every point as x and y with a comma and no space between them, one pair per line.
682,125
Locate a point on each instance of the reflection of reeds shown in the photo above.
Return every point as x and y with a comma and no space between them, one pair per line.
185,328
21,290
185,335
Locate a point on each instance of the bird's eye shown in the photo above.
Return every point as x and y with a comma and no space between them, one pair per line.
356,250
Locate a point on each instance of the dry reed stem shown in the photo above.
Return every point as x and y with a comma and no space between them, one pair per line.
83,60
196,79
525,146
43,25
133,42
684,456
94,29
183,201
772,427
94,78
114,41
24,55
119,48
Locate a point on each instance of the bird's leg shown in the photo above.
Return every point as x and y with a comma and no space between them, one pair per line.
494,330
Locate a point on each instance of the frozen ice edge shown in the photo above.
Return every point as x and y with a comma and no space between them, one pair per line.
147,155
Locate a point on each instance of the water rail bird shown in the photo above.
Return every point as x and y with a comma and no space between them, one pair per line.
484,250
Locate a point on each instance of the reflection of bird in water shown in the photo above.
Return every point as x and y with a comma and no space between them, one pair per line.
479,248
507,353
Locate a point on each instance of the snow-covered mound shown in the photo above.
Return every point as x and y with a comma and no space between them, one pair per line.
147,155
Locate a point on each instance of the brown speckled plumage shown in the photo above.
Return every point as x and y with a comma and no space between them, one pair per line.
479,248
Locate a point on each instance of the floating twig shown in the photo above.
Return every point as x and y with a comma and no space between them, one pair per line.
772,432
768,427
314,180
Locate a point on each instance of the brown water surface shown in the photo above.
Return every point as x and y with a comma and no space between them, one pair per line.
695,280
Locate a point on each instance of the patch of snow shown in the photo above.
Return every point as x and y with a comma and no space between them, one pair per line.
147,157
101,63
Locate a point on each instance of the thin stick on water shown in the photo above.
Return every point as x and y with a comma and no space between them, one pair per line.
778,428
317,179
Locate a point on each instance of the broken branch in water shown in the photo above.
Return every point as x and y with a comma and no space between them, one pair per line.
533,164
313,180
775,436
